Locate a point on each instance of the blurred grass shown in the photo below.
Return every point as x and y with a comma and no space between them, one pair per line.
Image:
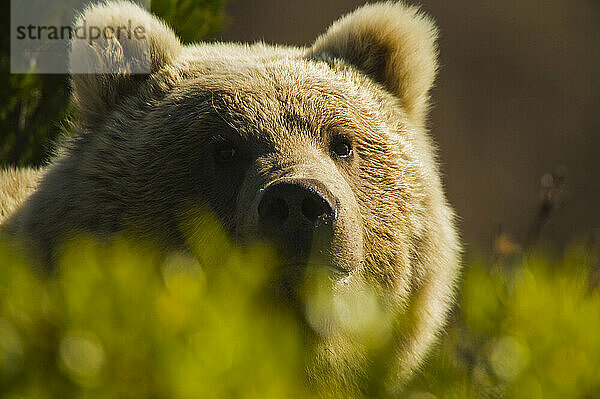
122,320
524,328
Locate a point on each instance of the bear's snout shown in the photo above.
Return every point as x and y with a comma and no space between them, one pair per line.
295,212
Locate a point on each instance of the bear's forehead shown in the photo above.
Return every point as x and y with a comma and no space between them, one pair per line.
275,95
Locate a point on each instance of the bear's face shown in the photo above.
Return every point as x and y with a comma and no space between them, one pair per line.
293,144
320,151
287,150
307,131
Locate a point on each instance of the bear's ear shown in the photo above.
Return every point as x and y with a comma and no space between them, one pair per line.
392,43
115,46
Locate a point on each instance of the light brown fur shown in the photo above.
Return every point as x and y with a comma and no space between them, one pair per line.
16,185
142,158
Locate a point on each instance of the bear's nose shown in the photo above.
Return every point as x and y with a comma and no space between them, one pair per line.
293,210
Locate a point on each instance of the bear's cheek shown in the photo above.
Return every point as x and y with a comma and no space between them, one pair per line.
214,188
346,249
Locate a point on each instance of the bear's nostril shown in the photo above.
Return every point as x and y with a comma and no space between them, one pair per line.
314,208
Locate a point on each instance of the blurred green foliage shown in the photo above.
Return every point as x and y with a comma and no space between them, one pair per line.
526,328
192,20
120,319
33,107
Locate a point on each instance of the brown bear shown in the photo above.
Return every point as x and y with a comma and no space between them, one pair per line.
320,150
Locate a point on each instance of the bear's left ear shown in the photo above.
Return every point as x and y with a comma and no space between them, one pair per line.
394,44
116,46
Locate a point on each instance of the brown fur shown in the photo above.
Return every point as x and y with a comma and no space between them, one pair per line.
142,156
16,185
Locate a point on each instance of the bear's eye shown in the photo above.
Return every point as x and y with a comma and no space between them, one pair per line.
341,147
225,153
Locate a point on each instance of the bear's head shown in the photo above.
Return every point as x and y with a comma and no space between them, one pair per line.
321,151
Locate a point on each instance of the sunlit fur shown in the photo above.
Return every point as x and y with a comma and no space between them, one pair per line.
15,186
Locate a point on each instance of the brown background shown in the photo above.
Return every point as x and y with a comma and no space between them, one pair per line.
517,97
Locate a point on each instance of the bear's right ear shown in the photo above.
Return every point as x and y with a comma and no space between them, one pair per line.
122,45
